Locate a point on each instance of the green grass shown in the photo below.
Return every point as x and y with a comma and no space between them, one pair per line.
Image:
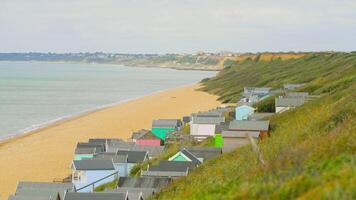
311,153
266,105
110,185
319,70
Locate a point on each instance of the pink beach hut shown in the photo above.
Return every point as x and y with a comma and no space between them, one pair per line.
149,139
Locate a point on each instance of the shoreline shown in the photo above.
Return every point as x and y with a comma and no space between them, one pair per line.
46,153
137,65
55,122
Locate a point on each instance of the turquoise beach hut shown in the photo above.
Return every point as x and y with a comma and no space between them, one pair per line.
162,127
243,112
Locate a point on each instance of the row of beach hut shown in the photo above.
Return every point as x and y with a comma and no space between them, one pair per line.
102,161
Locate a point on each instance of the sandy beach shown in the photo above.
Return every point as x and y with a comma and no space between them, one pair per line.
46,154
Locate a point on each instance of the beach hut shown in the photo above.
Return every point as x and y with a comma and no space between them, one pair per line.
119,161
152,151
84,153
114,146
149,139
242,112
204,153
240,131
252,95
135,193
156,183
138,134
185,155
197,155
86,172
283,104
162,127
99,147
133,158
204,124
41,191
218,141
123,160
171,169
97,196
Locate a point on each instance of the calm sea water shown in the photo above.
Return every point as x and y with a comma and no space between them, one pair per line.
35,94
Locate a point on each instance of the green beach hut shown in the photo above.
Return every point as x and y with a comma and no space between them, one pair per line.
82,153
218,141
185,156
162,127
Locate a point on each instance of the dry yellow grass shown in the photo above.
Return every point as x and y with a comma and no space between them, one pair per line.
46,154
265,56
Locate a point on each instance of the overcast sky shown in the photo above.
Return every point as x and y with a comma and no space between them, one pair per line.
167,26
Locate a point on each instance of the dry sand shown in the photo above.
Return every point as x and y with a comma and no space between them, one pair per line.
46,154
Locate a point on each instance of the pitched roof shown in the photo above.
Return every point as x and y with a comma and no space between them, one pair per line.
147,136
42,189
93,165
26,197
102,140
111,156
143,182
85,150
153,151
245,106
249,125
96,196
133,156
240,134
166,123
289,101
99,147
135,193
212,113
164,173
190,156
207,120
114,146
139,134
260,116
205,152
172,166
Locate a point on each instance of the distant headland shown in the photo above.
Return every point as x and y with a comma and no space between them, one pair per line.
197,61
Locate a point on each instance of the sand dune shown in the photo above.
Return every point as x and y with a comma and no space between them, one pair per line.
46,154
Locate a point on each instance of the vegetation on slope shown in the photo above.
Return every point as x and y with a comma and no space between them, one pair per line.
110,185
311,153
318,69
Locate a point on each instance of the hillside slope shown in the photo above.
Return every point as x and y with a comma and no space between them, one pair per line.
311,153
317,69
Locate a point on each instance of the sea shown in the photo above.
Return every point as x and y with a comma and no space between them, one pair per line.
34,94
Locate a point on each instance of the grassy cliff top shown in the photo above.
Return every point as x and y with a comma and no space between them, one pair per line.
319,70
311,153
